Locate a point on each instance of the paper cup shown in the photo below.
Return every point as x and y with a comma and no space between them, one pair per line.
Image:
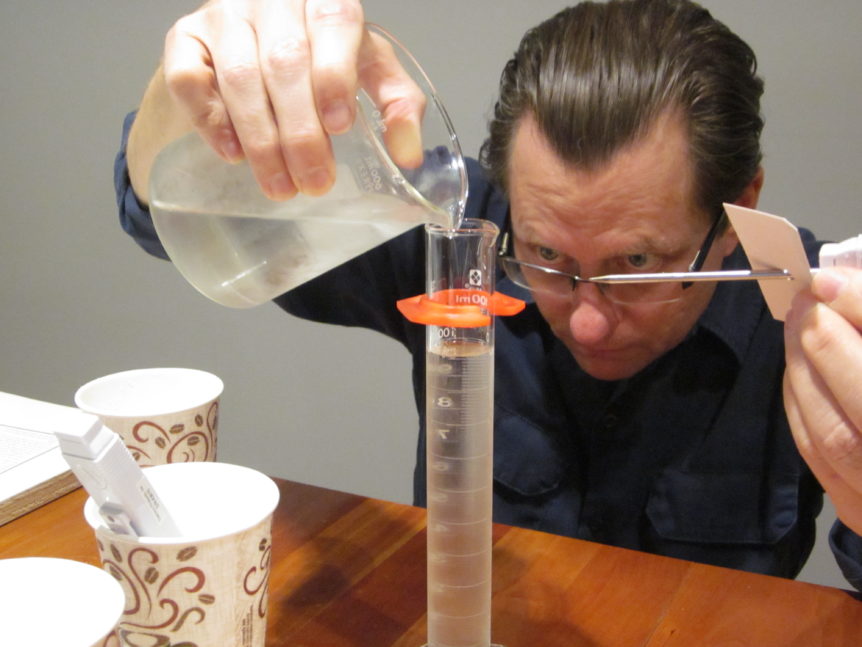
207,587
45,602
163,415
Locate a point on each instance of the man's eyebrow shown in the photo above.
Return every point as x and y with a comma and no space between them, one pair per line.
656,244
638,244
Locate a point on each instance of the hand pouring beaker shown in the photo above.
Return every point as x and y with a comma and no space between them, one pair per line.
241,249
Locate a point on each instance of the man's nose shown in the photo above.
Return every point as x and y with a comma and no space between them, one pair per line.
593,318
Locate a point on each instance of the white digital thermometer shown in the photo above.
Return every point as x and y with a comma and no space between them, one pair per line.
127,502
847,253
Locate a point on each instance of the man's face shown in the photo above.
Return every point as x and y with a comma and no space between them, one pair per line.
635,214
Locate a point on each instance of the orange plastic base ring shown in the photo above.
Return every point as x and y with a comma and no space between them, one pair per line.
459,308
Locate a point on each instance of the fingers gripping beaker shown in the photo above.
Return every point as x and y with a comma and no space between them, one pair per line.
459,418
241,249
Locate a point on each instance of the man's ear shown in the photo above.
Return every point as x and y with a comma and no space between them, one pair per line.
748,198
751,193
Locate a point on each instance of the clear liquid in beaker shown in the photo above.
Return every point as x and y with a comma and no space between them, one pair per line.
241,261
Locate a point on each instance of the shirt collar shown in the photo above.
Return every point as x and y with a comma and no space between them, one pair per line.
734,311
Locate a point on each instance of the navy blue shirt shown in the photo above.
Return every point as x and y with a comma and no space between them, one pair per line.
691,458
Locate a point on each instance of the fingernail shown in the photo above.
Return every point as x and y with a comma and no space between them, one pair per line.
231,150
337,117
281,187
314,180
826,285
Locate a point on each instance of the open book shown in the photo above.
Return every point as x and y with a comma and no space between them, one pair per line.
32,469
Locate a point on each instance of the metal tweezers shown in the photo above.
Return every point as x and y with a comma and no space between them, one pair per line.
668,277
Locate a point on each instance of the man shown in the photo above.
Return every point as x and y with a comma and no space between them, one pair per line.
648,417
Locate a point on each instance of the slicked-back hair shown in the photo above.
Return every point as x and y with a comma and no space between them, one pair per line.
597,75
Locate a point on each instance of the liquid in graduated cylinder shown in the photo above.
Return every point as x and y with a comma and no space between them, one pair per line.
460,462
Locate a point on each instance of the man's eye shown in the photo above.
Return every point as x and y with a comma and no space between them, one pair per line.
641,262
547,254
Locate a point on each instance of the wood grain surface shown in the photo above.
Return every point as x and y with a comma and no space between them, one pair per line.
349,571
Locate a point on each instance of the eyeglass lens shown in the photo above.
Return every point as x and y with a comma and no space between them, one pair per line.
547,281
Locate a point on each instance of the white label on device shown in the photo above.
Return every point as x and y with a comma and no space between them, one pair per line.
153,500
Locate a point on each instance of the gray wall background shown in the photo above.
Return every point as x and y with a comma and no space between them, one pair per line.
315,403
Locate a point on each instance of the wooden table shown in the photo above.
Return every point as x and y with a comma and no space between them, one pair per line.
349,571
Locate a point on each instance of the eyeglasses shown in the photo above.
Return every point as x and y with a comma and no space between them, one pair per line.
632,288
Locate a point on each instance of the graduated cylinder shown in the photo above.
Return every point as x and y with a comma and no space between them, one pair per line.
459,415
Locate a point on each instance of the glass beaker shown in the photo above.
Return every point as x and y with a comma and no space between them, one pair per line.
241,249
